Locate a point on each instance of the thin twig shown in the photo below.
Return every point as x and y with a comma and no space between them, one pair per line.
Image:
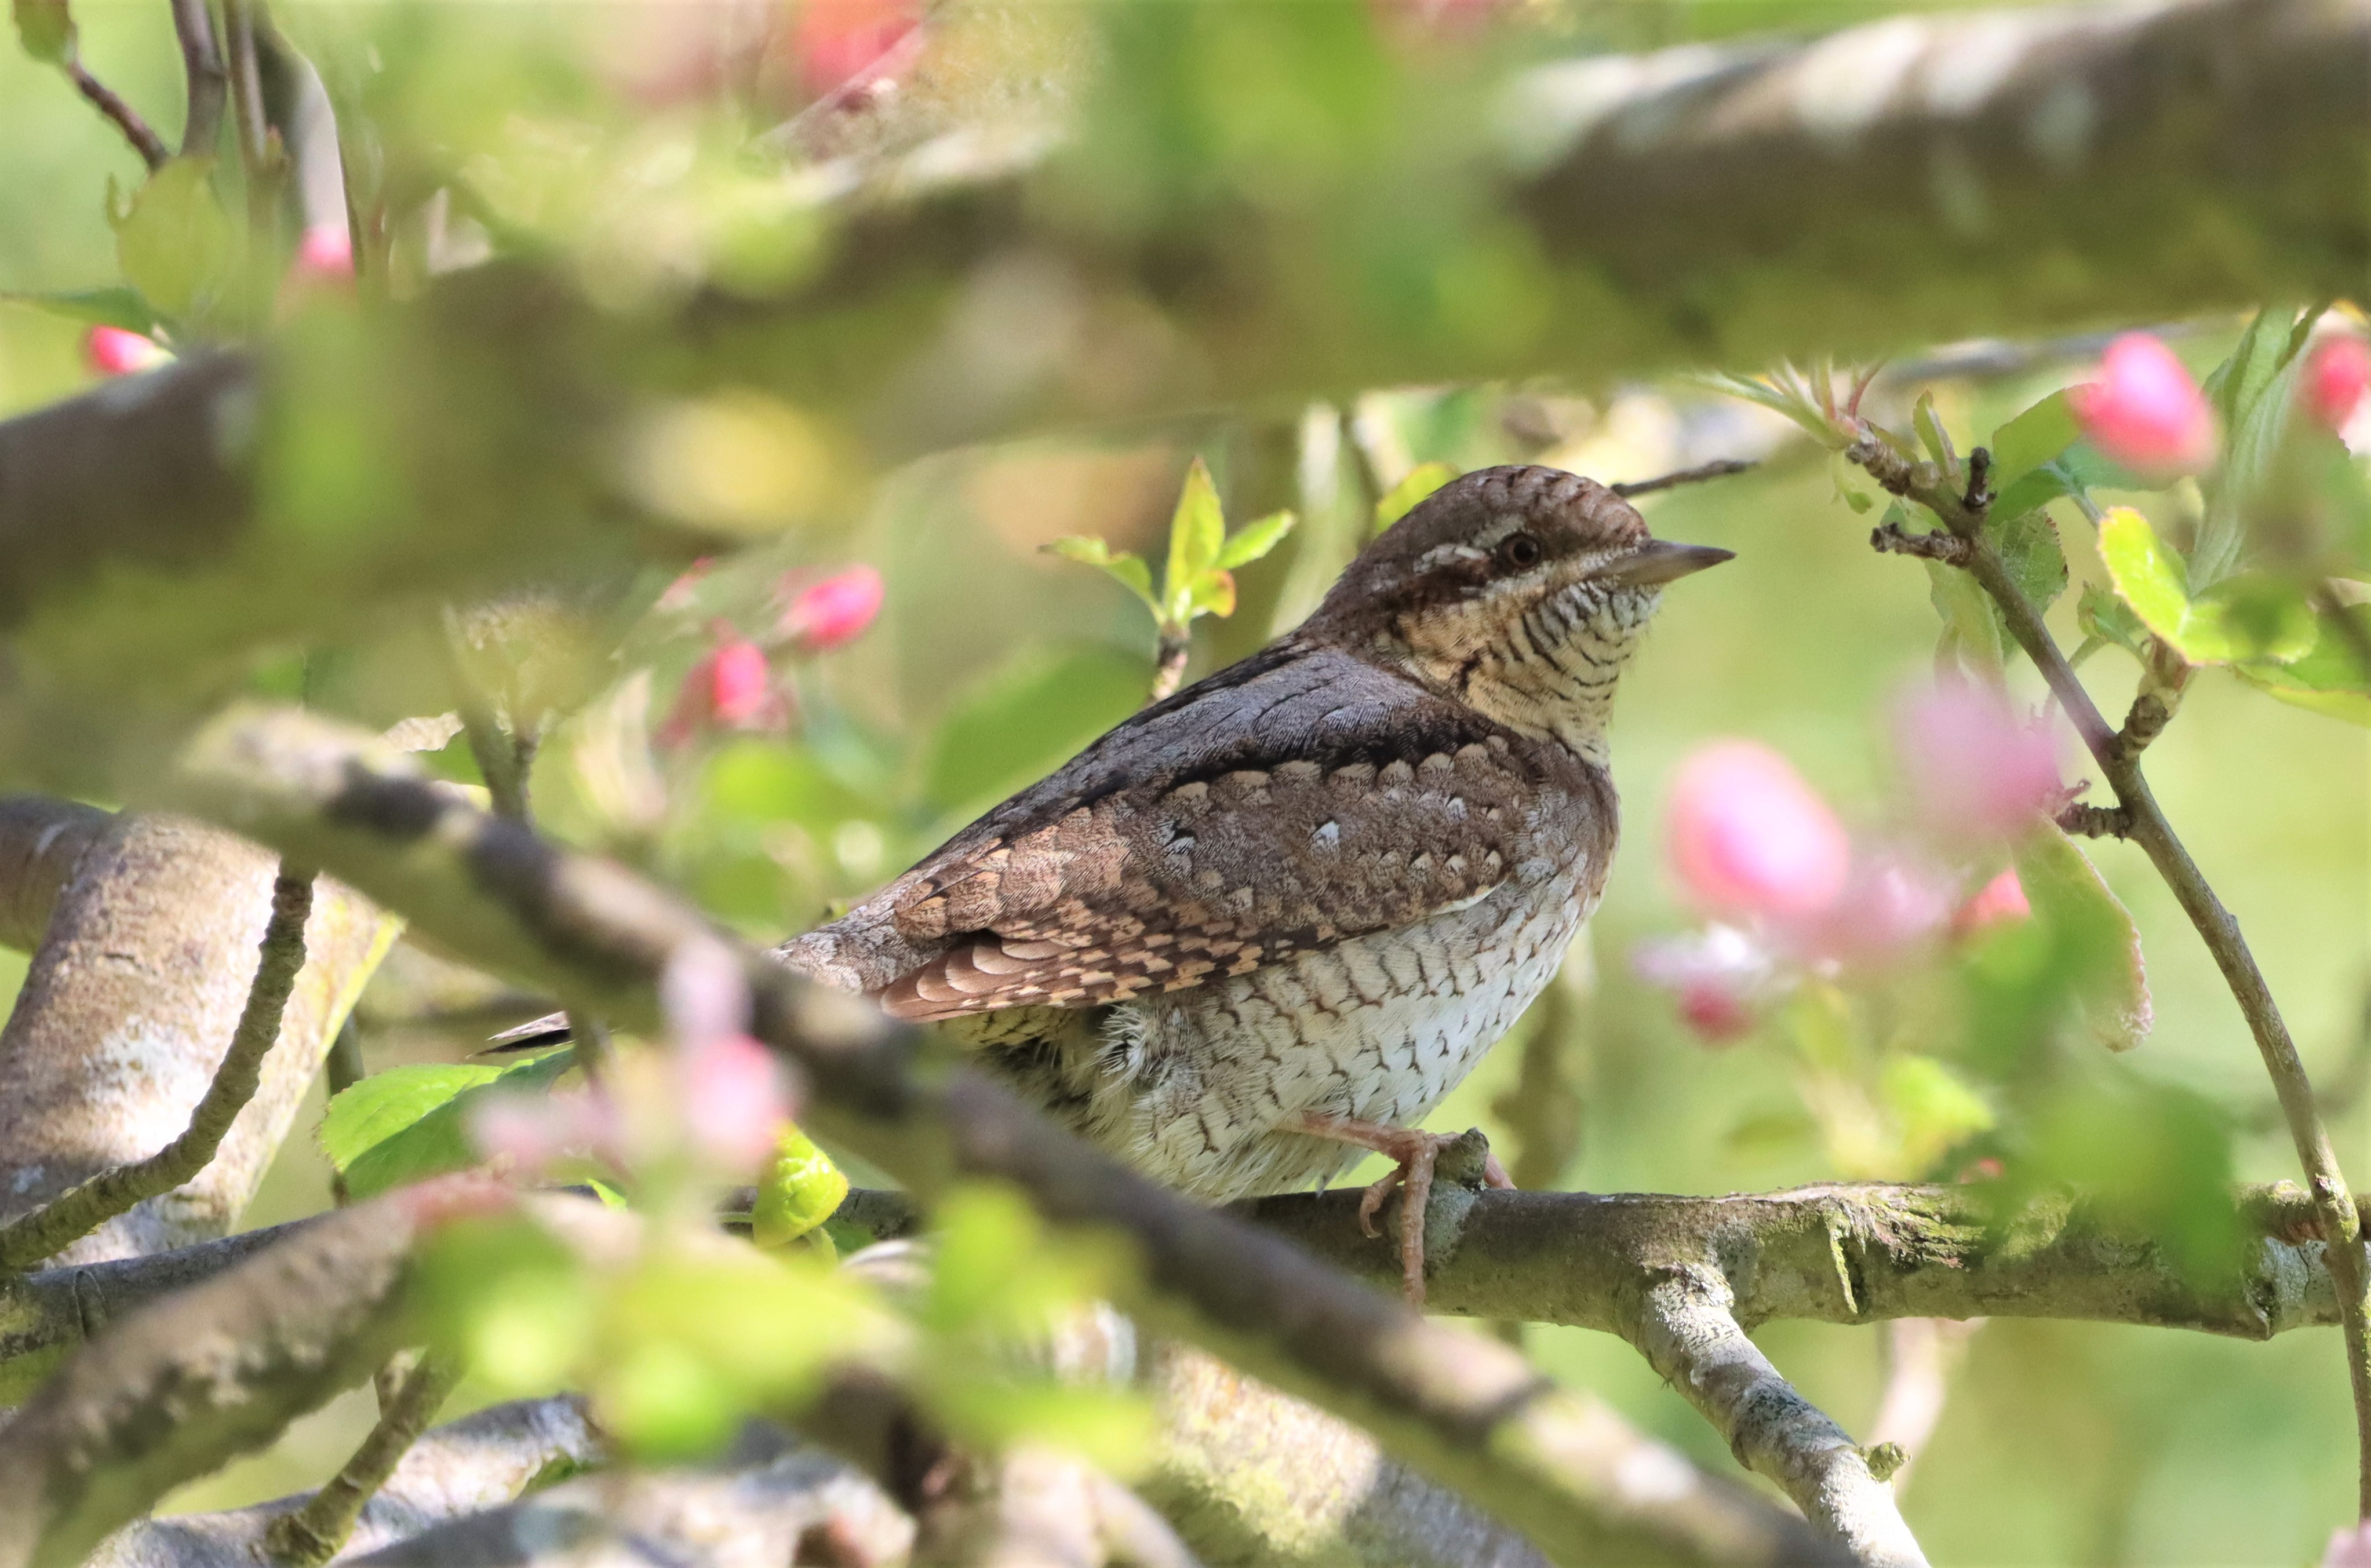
245,88
2340,1226
1893,539
313,1534
126,119
1719,469
1169,656
1921,1353
208,81
2084,821
83,1209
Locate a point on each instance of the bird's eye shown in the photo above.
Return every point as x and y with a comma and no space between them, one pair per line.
1520,551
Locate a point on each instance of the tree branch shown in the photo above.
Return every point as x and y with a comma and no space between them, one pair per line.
146,961
41,842
479,1462
121,115
1702,204
2146,824
1464,1409
201,67
213,1372
317,1530
83,1209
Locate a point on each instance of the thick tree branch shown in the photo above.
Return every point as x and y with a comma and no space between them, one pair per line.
83,1209
210,1373
1705,204
1465,1410
479,1462
133,996
318,1530
41,842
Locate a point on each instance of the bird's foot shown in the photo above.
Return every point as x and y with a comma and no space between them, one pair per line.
1415,1154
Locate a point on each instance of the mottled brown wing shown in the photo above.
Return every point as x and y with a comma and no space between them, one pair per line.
1309,800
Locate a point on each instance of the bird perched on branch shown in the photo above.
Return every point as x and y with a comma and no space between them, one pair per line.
1272,921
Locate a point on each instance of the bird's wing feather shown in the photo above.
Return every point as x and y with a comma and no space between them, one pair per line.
1308,800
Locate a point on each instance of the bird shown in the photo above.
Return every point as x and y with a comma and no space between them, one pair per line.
1267,925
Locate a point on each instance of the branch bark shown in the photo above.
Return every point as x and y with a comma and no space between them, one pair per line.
1465,1410
479,1462
202,68
41,840
131,1000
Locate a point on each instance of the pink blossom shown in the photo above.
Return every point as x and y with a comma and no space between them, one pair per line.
730,689
1721,978
112,350
736,1098
1891,904
2350,1546
325,254
823,616
1747,836
2335,379
836,40
684,592
1977,770
527,1133
2146,411
1999,902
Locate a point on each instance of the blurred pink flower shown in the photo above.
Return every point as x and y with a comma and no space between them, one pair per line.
2350,1546
324,255
528,1131
822,616
684,592
736,1098
730,688
2146,411
2335,379
1719,975
1998,903
1891,904
112,350
1976,769
1748,837
836,40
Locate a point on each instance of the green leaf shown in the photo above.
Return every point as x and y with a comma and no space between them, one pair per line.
47,30
174,242
2028,544
2102,615
2088,927
419,1127
1402,497
1210,594
1254,539
2246,618
799,1189
2327,678
1127,567
1932,1106
1931,434
1198,531
101,307
2032,439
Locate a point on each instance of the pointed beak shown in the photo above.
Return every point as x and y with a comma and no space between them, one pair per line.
1660,560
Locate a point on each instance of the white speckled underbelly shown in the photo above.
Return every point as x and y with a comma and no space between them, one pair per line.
1381,1027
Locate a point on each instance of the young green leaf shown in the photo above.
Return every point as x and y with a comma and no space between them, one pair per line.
2243,619
2327,678
1400,499
418,1127
1254,539
1128,568
2089,925
1210,594
47,30
174,242
2102,615
2032,439
1197,530
799,1189
99,307
2028,544
1931,434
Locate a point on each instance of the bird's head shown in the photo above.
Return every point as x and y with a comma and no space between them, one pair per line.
1521,591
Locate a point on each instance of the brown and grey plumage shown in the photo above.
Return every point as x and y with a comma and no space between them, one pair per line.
1285,911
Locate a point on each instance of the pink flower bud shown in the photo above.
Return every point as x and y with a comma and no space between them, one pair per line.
2350,1546
1977,770
1721,978
112,350
1748,837
527,1133
1891,904
735,1100
730,688
837,39
822,616
2335,379
1999,902
2146,411
324,255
